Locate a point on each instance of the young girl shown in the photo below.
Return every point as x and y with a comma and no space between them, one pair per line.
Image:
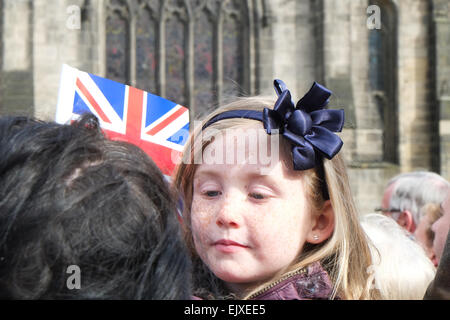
280,229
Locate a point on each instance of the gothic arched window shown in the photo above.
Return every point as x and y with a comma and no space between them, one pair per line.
117,35
193,52
383,76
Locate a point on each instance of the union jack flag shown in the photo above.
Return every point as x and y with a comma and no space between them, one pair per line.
158,126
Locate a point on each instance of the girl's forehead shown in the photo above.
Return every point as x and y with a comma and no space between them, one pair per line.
241,146
275,172
243,169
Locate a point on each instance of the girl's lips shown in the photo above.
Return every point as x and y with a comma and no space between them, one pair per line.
228,246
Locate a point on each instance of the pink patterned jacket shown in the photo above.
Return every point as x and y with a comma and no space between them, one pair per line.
311,282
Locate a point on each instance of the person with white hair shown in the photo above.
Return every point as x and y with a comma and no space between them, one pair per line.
401,270
407,199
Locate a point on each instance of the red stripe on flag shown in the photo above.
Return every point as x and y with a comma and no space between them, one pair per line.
134,113
166,121
92,101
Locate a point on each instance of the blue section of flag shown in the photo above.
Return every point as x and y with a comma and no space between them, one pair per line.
113,91
181,136
157,107
79,106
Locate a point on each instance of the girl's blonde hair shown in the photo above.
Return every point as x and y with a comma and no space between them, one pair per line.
345,255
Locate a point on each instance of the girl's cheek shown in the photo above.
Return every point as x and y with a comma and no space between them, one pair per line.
199,232
201,214
201,223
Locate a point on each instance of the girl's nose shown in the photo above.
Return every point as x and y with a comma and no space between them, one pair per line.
229,215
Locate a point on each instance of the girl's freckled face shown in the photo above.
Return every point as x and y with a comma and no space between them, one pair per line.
246,225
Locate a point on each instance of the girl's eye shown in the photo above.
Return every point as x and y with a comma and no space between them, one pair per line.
212,193
257,196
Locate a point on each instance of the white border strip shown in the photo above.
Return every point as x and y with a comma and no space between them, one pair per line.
66,94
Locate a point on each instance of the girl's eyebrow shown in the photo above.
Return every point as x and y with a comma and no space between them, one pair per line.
251,175
207,173
266,179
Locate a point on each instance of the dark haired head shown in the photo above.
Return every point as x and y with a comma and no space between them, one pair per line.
68,196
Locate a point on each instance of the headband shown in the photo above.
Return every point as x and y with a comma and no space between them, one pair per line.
307,126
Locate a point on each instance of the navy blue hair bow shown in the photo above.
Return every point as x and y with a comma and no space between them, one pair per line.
308,126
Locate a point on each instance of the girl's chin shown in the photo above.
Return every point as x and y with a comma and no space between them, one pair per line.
236,282
231,276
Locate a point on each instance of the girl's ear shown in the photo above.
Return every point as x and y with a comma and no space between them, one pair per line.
322,225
